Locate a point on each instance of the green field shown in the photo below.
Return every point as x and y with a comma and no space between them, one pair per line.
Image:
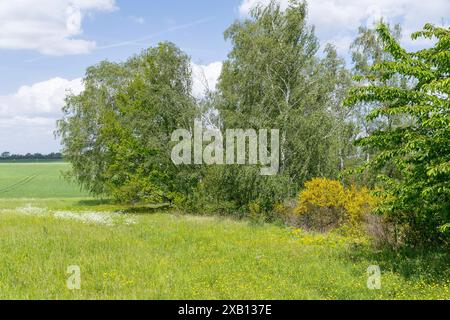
36,180
47,225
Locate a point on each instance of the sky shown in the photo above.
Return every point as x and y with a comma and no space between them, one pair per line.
46,46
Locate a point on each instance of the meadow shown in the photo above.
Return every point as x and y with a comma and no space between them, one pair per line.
48,224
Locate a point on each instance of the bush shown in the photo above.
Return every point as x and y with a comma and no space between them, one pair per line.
138,190
321,205
243,191
358,204
256,215
200,201
382,231
325,204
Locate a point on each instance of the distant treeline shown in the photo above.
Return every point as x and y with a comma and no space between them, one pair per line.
29,156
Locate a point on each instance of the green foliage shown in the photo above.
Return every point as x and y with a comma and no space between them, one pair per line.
138,189
117,132
233,190
368,50
419,199
274,78
244,185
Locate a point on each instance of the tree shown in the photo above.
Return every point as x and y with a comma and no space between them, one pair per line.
274,78
419,199
117,132
367,50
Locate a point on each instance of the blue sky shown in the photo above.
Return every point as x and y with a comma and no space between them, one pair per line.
46,45
195,26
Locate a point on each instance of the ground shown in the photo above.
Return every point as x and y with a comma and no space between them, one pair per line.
48,225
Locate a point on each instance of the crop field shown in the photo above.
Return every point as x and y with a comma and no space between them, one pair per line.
48,226
36,180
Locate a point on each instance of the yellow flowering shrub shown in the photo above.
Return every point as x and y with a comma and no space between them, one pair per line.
325,204
321,192
358,203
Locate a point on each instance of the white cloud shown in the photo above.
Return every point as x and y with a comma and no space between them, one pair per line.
48,26
337,21
18,122
41,99
205,77
28,116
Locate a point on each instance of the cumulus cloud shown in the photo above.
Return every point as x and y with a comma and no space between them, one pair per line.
28,116
205,77
336,21
49,26
42,99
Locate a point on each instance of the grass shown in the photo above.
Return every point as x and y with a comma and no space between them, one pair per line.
36,180
168,255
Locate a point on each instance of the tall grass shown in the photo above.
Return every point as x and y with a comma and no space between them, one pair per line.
169,256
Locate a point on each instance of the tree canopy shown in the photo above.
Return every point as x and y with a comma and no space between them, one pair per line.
275,77
117,132
419,149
